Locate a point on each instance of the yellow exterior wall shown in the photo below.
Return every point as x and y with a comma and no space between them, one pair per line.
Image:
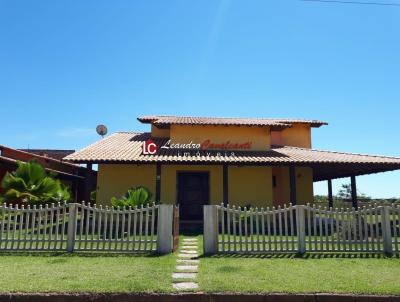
282,189
158,132
116,179
259,136
304,185
246,184
299,135
250,185
169,185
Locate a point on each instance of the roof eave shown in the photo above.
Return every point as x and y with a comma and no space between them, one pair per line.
318,124
147,119
274,126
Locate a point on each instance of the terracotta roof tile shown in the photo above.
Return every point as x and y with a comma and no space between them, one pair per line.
127,147
190,120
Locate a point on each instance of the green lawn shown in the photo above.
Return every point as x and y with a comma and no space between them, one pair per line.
88,272
37,272
329,273
300,275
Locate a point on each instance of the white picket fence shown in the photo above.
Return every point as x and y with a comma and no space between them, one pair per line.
82,227
300,229
34,228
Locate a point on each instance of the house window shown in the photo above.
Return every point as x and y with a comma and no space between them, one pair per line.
273,181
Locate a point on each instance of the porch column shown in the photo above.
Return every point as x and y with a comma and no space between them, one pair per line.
293,190
225,183
88,183
330,196
354,192
158,182
74,189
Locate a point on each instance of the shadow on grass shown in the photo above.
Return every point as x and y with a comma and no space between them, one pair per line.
82,254
347,256
190,233
302,256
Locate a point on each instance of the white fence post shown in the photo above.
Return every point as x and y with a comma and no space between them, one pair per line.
210,229
386,230
301,230
71,227
164,229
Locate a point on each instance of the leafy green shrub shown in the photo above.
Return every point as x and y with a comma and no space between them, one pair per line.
30,183
93,196
134,197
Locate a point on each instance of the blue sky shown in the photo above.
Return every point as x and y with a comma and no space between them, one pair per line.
66,66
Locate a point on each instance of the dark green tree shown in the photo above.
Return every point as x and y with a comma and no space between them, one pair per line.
30,183
345,194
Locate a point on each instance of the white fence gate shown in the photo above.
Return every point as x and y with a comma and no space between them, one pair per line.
300,229
81,227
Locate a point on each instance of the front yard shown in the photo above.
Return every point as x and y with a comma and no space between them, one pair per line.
82,272
64,272
296,275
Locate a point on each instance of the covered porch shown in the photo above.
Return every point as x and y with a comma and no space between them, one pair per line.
330,172
122,164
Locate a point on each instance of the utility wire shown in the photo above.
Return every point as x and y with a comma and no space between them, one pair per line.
354,2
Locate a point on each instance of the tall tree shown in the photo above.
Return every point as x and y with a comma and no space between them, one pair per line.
345,193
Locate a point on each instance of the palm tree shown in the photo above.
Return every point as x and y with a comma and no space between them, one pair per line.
30,183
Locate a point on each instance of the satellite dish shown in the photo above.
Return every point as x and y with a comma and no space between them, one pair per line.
101,130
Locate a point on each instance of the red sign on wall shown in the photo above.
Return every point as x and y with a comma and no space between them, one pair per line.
228,145
149,147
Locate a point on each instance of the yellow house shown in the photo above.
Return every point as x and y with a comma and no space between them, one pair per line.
192,161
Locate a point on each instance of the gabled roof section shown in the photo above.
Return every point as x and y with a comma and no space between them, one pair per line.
126,147
164,120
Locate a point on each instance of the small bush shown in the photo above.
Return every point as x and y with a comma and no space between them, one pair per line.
134,197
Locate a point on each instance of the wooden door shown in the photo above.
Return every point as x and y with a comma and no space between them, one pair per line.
193,193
